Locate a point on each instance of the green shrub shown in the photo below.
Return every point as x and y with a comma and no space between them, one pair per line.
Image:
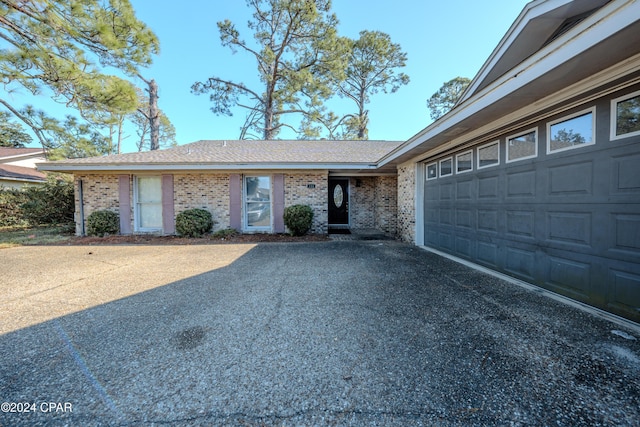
100,223
194,222
225,233
50,203
11,201
298,219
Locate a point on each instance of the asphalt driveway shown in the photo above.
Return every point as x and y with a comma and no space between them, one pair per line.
332,333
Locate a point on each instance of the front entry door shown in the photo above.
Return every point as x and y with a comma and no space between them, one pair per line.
339,201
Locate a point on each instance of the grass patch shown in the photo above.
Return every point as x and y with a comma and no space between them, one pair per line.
19,236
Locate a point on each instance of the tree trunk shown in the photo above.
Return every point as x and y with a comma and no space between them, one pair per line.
154,116
363,120
120,135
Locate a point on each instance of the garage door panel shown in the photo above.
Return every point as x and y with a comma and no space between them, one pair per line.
626,228
625,177
431,215
571,179
520,262
445,241
488,187
446,191
569,277
465,247
431,237
445,216
464,190
464,218
520,223
521,185
487,253
572,228
624,289
487,220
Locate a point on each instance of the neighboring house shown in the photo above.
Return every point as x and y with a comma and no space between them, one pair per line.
18,167
534,173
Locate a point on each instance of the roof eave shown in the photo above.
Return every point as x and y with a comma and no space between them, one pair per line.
71,168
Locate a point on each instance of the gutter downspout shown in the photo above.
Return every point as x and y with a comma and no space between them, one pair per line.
81,207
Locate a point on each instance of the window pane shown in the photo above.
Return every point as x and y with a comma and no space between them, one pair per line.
446,167
489,155
571,133
522,146
149,189
257,188
463,162
432,171
628,116
149,202
150,215
257,201
258,215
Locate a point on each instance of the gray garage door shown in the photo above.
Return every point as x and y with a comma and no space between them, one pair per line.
568,222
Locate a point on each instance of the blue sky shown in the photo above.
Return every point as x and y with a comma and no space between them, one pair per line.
442,39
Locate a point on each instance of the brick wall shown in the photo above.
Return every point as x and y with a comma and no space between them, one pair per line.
373,203
362,202
205,191
406,202
386,204
297,192
100,193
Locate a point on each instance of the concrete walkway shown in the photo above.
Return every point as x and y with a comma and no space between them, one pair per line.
368,332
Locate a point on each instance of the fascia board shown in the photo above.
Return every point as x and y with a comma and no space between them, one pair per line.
34,180
7,159
202,166
586,35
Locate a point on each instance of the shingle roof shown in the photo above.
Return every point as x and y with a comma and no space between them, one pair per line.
280,152
12,152
21,173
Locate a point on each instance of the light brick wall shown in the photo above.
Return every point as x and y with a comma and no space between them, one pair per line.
362,202
204,191
373,203
406,202
386,207
100,193
297,192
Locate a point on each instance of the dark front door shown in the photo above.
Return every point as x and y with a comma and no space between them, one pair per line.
339,201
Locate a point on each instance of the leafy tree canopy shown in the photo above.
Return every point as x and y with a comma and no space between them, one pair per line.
65,48
446,97
297,53
12,134
373,61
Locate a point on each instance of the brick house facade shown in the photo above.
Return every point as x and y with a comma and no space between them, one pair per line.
373,198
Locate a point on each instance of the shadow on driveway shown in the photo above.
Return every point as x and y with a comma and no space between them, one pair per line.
335,333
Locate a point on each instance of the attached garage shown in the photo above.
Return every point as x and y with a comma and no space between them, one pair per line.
556,204
535,171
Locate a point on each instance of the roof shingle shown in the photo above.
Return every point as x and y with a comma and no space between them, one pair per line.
249,152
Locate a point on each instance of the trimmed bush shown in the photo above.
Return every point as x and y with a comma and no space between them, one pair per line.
298,219
194,222
101,223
